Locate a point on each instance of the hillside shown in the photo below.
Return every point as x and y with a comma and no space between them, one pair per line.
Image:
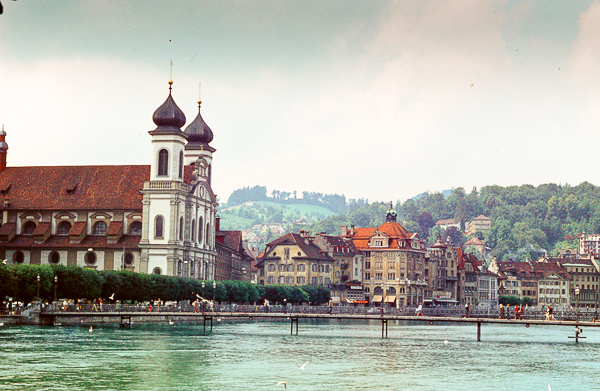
526,221
250,213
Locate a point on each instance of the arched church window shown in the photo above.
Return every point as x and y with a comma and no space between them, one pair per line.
180,165
208,233
99,228
63,228
181,228
135,228
193,229
163,162
200,225
158,226
28,228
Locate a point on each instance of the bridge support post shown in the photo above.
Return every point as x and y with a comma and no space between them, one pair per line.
292,320
478,331
384,326
209,317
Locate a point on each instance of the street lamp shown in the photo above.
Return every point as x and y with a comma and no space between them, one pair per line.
214,289
577,303
38,290
55,287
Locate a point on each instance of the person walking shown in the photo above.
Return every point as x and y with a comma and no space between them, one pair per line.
420,309
501,312
521,312
466,310
517,312
266,306
508,312
595,315
330,307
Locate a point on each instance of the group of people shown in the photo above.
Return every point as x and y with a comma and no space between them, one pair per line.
200,305
505,311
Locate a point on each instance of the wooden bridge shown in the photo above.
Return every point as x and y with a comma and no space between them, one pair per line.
54,317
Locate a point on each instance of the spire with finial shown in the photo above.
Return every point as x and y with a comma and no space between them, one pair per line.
169,116
3,149
199,133
391,214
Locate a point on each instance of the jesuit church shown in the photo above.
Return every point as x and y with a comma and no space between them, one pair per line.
152,219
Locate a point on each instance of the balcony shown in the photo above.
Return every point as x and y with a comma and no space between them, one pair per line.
162,185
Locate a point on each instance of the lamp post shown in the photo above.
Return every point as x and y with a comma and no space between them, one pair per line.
38,290
214,289
55,287
577,303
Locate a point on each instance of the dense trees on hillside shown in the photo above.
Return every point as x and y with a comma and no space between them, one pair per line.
526,220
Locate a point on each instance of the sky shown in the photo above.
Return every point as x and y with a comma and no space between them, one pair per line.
380,100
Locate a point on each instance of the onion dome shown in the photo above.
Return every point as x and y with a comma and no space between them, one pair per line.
390,215
198,131
169,116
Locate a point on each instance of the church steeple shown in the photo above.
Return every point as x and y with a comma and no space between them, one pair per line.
3,149
168,141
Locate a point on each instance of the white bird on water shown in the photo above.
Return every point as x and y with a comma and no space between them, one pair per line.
4,261
282,382
1,324
446,342
302,367
549,389
91,330
112,297
171,322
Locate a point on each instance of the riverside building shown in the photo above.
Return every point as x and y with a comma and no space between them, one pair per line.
158,218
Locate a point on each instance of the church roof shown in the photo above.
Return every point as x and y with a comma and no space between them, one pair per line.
198,131
73,187
169,116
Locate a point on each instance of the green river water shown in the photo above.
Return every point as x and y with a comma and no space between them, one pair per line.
257,355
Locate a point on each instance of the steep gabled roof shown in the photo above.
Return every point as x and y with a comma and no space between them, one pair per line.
305,243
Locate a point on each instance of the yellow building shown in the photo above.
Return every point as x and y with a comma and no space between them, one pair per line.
295,259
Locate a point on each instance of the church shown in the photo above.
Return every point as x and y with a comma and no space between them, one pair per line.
160,218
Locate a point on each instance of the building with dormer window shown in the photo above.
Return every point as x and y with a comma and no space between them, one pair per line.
158,219
394,262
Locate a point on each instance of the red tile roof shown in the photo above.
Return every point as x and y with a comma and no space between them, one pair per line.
394,230
74,187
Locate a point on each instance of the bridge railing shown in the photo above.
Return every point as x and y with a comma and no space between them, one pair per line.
537,313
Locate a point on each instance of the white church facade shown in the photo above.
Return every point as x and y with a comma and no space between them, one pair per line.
158,219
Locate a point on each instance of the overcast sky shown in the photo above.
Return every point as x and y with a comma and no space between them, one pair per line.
370,99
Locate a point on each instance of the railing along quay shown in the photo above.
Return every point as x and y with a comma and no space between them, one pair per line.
295,313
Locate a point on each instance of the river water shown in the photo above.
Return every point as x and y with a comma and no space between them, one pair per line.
257,355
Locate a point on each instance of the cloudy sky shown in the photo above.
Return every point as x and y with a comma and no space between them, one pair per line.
370,99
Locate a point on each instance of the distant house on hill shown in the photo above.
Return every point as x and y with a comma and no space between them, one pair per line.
479,224
477,244
447,223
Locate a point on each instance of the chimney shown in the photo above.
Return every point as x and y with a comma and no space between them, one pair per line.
344,230
352,230
217,223
3,150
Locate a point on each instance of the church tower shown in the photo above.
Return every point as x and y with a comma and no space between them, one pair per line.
179,206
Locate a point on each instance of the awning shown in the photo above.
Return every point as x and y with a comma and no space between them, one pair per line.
377,298
358,301
390,299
